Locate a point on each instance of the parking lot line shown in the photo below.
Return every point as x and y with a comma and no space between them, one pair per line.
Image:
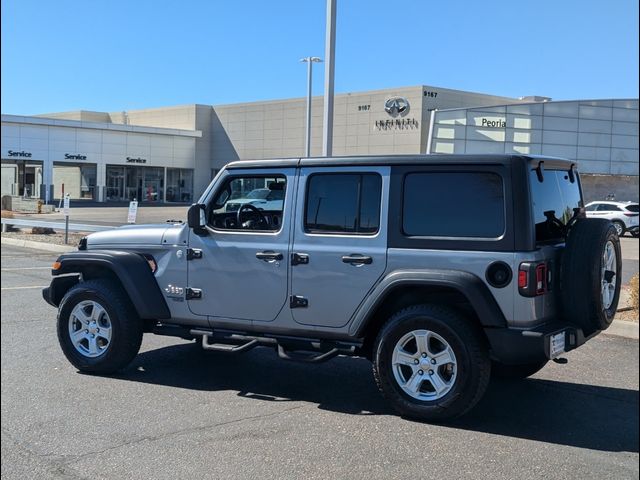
23,288
16,269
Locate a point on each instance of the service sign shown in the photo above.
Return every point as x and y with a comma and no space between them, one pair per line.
133,212
65,205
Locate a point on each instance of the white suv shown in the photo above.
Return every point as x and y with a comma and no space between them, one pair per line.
624,215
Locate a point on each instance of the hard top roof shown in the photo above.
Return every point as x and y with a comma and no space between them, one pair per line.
397,160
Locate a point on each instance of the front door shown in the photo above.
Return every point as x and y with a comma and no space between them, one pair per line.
341,237
243,271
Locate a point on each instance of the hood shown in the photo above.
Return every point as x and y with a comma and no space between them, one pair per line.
152,234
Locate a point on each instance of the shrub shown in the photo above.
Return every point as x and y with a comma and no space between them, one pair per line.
42,231
634,291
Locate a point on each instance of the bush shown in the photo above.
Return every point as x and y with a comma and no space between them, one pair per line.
634,291
42,231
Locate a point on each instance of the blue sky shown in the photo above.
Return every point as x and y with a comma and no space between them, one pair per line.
111,55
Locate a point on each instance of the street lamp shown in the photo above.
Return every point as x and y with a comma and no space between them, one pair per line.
309,61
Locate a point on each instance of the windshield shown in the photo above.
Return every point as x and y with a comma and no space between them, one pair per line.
260,193
554,200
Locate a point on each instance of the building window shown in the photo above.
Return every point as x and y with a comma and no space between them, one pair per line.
179,185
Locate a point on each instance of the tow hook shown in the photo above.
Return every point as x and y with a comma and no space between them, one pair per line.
561,361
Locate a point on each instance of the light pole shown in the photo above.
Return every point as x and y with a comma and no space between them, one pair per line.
309,61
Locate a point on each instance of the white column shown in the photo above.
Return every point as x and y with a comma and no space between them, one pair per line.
101,181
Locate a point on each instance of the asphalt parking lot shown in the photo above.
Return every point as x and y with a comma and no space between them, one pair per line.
176,413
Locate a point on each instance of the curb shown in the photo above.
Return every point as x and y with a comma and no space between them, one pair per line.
622,328
38,245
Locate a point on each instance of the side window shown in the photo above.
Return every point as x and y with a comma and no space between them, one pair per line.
249,203
453,204
592,208
343,203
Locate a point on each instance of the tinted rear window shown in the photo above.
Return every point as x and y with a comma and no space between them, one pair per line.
632,208
557,196
455,204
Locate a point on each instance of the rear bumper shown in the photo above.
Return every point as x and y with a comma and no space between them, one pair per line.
517,346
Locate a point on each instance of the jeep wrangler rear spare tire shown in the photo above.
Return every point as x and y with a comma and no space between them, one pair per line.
98,328
590,278
431,363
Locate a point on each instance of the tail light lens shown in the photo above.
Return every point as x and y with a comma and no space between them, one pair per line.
630,214
534,278
541,278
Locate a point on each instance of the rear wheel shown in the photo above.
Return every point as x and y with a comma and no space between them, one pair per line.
430,363
515,372
98,328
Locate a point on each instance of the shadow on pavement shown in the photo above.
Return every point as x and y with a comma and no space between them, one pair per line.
584,416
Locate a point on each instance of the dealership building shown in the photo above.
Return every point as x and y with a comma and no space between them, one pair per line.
170,154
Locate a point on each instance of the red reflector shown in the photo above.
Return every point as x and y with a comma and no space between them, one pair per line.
522,279
541,279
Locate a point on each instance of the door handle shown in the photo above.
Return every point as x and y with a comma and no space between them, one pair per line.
269,256
357,259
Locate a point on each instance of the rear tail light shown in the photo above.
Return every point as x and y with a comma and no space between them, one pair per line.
534,278
541,279
522,279
630,214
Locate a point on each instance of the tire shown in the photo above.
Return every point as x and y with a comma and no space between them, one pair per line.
516,372
635,233
83,303
584,301
471,372
620,227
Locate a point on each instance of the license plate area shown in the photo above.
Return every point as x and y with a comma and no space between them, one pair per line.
557,344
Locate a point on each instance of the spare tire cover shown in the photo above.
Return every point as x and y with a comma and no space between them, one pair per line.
591,274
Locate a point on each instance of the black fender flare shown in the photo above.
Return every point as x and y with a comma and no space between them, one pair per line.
131,268
467,284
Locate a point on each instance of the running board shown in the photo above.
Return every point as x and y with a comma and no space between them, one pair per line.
223,347
288,348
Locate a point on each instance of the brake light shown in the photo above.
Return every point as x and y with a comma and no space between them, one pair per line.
630,214
541,278
534,278
522,279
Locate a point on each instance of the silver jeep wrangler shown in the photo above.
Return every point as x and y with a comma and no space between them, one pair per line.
442,270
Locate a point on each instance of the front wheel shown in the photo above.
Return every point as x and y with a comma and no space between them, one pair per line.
98,328
431,363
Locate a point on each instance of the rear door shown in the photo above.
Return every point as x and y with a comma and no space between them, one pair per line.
340,242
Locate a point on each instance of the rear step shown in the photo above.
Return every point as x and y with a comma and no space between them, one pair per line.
288,348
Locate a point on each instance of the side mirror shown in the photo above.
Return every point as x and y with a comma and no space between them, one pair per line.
196,217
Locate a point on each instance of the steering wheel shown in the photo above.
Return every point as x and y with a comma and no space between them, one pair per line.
247,206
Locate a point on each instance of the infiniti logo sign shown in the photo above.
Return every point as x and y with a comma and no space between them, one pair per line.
397,106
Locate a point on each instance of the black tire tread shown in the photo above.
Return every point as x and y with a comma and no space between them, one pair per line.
581,300
127,334
473,341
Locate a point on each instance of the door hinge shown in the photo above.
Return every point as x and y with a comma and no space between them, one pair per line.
296,301
299,259
194,254
193,293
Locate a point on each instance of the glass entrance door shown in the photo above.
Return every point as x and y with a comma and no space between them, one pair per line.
115,184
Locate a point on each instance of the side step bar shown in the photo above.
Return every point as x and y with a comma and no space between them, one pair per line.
288,348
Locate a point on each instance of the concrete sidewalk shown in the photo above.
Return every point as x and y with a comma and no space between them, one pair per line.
113,215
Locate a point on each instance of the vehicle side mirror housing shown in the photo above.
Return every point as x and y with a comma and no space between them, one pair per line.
196,217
